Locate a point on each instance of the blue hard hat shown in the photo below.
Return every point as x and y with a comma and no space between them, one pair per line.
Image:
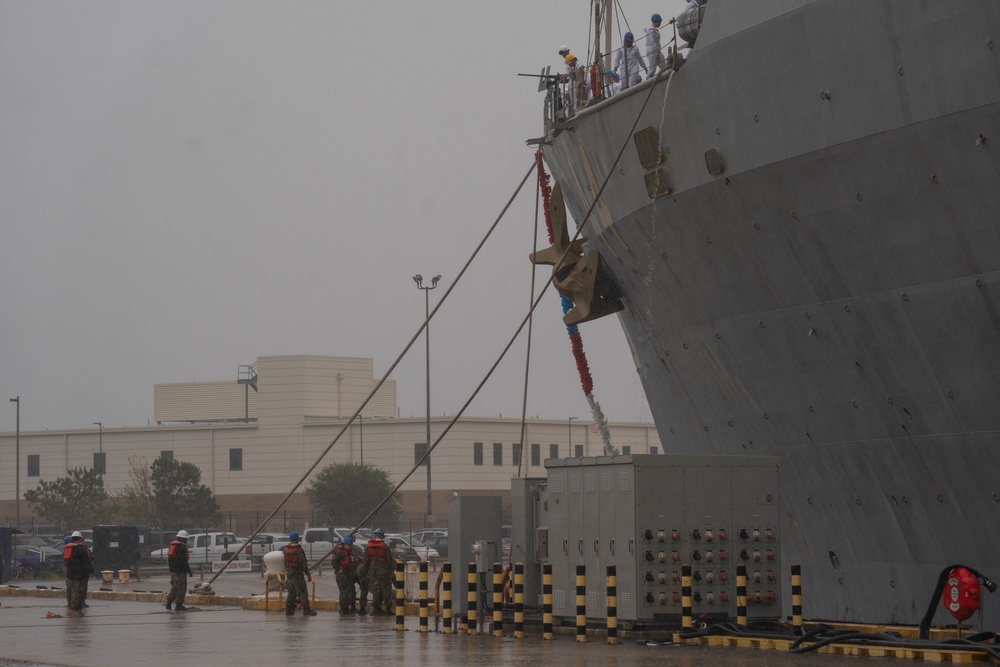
655,18
628,37
348,541
293,536
67,539
379,531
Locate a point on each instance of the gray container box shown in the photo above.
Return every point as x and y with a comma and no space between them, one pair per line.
650,514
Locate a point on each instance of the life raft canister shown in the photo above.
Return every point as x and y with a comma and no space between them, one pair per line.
961,594
595,82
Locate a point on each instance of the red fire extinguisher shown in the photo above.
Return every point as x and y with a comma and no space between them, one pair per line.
961,594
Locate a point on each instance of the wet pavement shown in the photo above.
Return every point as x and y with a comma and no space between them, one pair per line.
137,633
126,633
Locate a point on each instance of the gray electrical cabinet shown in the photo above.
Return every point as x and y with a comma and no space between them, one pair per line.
528,533
651,514
473,520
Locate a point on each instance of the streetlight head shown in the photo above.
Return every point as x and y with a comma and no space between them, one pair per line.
435,280
418,279
16,400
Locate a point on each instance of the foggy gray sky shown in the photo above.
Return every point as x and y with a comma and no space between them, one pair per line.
187,185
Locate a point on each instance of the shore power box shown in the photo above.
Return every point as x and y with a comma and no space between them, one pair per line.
649,515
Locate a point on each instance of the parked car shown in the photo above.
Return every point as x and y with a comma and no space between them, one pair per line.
439,542
425,533
361,537
30,561
205,548
400,549
422,551
24,540
315,542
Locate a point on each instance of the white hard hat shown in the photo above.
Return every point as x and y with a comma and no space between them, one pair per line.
75,534
563,50
182,534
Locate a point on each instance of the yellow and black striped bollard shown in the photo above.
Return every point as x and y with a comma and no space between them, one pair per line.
581,603
423,596
497,600
400,596
446,597
473,598
519,600
612,604
686,615
741,595
797,599
547,601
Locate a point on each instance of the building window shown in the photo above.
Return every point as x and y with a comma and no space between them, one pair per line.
100,463
498,453
419,449
516,460
536,454
34,465
626,449
477,453
167,454
236,458
578,451
553,451
654,450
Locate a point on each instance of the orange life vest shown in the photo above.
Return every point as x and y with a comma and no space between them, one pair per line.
292,555
68,550
377,551
172,551
346,562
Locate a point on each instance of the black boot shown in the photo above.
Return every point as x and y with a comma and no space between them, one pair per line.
306,611
168,605
289,611
180,607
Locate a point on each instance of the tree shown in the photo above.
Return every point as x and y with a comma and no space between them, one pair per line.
181,500
346,492
134,503
77,501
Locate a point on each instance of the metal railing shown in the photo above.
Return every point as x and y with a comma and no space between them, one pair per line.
588,85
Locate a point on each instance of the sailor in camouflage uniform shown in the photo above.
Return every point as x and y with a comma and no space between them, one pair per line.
296,569
79,567
380,567
344,566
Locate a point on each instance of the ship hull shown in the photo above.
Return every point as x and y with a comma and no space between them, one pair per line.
833,295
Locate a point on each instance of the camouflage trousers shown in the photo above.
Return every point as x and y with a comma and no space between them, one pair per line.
178,587
380,581
362,575
345,584
76,593
296,591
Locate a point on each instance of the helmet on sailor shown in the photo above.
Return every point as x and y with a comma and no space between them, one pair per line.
67,539
293,536
76,535
380,532
182,535
655,18
348,541
628,37
563,50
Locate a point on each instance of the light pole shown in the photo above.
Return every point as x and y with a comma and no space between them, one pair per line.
100,436
569,435
17,465
419,280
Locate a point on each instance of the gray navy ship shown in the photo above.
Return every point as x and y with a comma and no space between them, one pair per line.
801,239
